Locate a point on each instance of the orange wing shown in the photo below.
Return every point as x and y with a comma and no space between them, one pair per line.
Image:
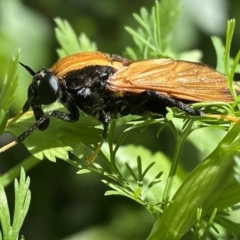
178,79
84,59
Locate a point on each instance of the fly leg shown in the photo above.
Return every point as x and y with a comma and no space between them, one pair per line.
105,119
152,101
171,102
68,117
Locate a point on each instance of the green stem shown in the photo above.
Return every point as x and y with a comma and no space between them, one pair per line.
172,172
110,139
229,35
180,140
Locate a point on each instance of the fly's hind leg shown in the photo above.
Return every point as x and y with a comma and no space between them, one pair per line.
152,101
171,102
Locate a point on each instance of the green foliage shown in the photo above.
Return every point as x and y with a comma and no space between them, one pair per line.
212,179
140,180
237,170
70,43
154,35
8,91
10,229
154,30
178,202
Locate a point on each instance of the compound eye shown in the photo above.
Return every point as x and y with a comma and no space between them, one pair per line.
48,89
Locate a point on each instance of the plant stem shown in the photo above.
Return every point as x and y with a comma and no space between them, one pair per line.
180,140
172,172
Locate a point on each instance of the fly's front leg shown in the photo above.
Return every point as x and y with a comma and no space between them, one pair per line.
68,117
26,133
42,122
73,116
38,113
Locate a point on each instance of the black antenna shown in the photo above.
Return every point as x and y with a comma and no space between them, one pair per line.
28,69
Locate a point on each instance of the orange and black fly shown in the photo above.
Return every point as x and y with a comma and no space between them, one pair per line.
109,86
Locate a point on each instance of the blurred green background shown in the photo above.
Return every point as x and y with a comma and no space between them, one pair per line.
64,203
